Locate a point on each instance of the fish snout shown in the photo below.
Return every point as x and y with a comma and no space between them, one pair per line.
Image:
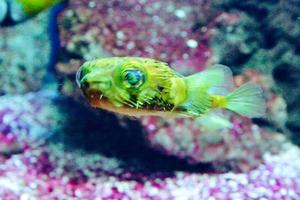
80,80
78,77
92,80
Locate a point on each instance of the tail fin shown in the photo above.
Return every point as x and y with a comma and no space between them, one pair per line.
247,100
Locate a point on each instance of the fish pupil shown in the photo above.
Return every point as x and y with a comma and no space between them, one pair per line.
134,77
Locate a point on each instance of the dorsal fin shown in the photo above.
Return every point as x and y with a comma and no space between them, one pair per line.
217,78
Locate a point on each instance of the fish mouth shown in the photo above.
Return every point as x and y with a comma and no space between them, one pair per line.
91,89
90,94
93,96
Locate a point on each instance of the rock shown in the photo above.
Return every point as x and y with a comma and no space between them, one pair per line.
52,172
26,121
25,49
264,38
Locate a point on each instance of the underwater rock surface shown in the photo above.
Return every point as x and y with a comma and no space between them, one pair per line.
157,29
237,143
26,121
24,56
53,172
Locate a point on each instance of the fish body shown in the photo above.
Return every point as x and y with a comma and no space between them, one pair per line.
33,7
16,11
141,86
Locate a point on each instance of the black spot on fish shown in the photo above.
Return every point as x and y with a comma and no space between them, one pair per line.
159,104
160,88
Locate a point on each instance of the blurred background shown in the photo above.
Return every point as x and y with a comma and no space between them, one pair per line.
53,145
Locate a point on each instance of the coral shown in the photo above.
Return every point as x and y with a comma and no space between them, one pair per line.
24,55
259,37
158,29
26,121
224,140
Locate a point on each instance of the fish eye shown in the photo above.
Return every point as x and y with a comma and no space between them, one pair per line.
134,78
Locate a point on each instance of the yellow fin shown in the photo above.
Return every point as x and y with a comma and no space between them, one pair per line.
214,120
247,100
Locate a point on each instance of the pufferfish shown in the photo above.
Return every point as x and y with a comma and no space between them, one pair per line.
146,87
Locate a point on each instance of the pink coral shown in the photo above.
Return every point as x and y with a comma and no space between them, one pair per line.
25,120
240,142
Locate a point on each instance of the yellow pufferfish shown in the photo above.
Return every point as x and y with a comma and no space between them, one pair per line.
141,86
